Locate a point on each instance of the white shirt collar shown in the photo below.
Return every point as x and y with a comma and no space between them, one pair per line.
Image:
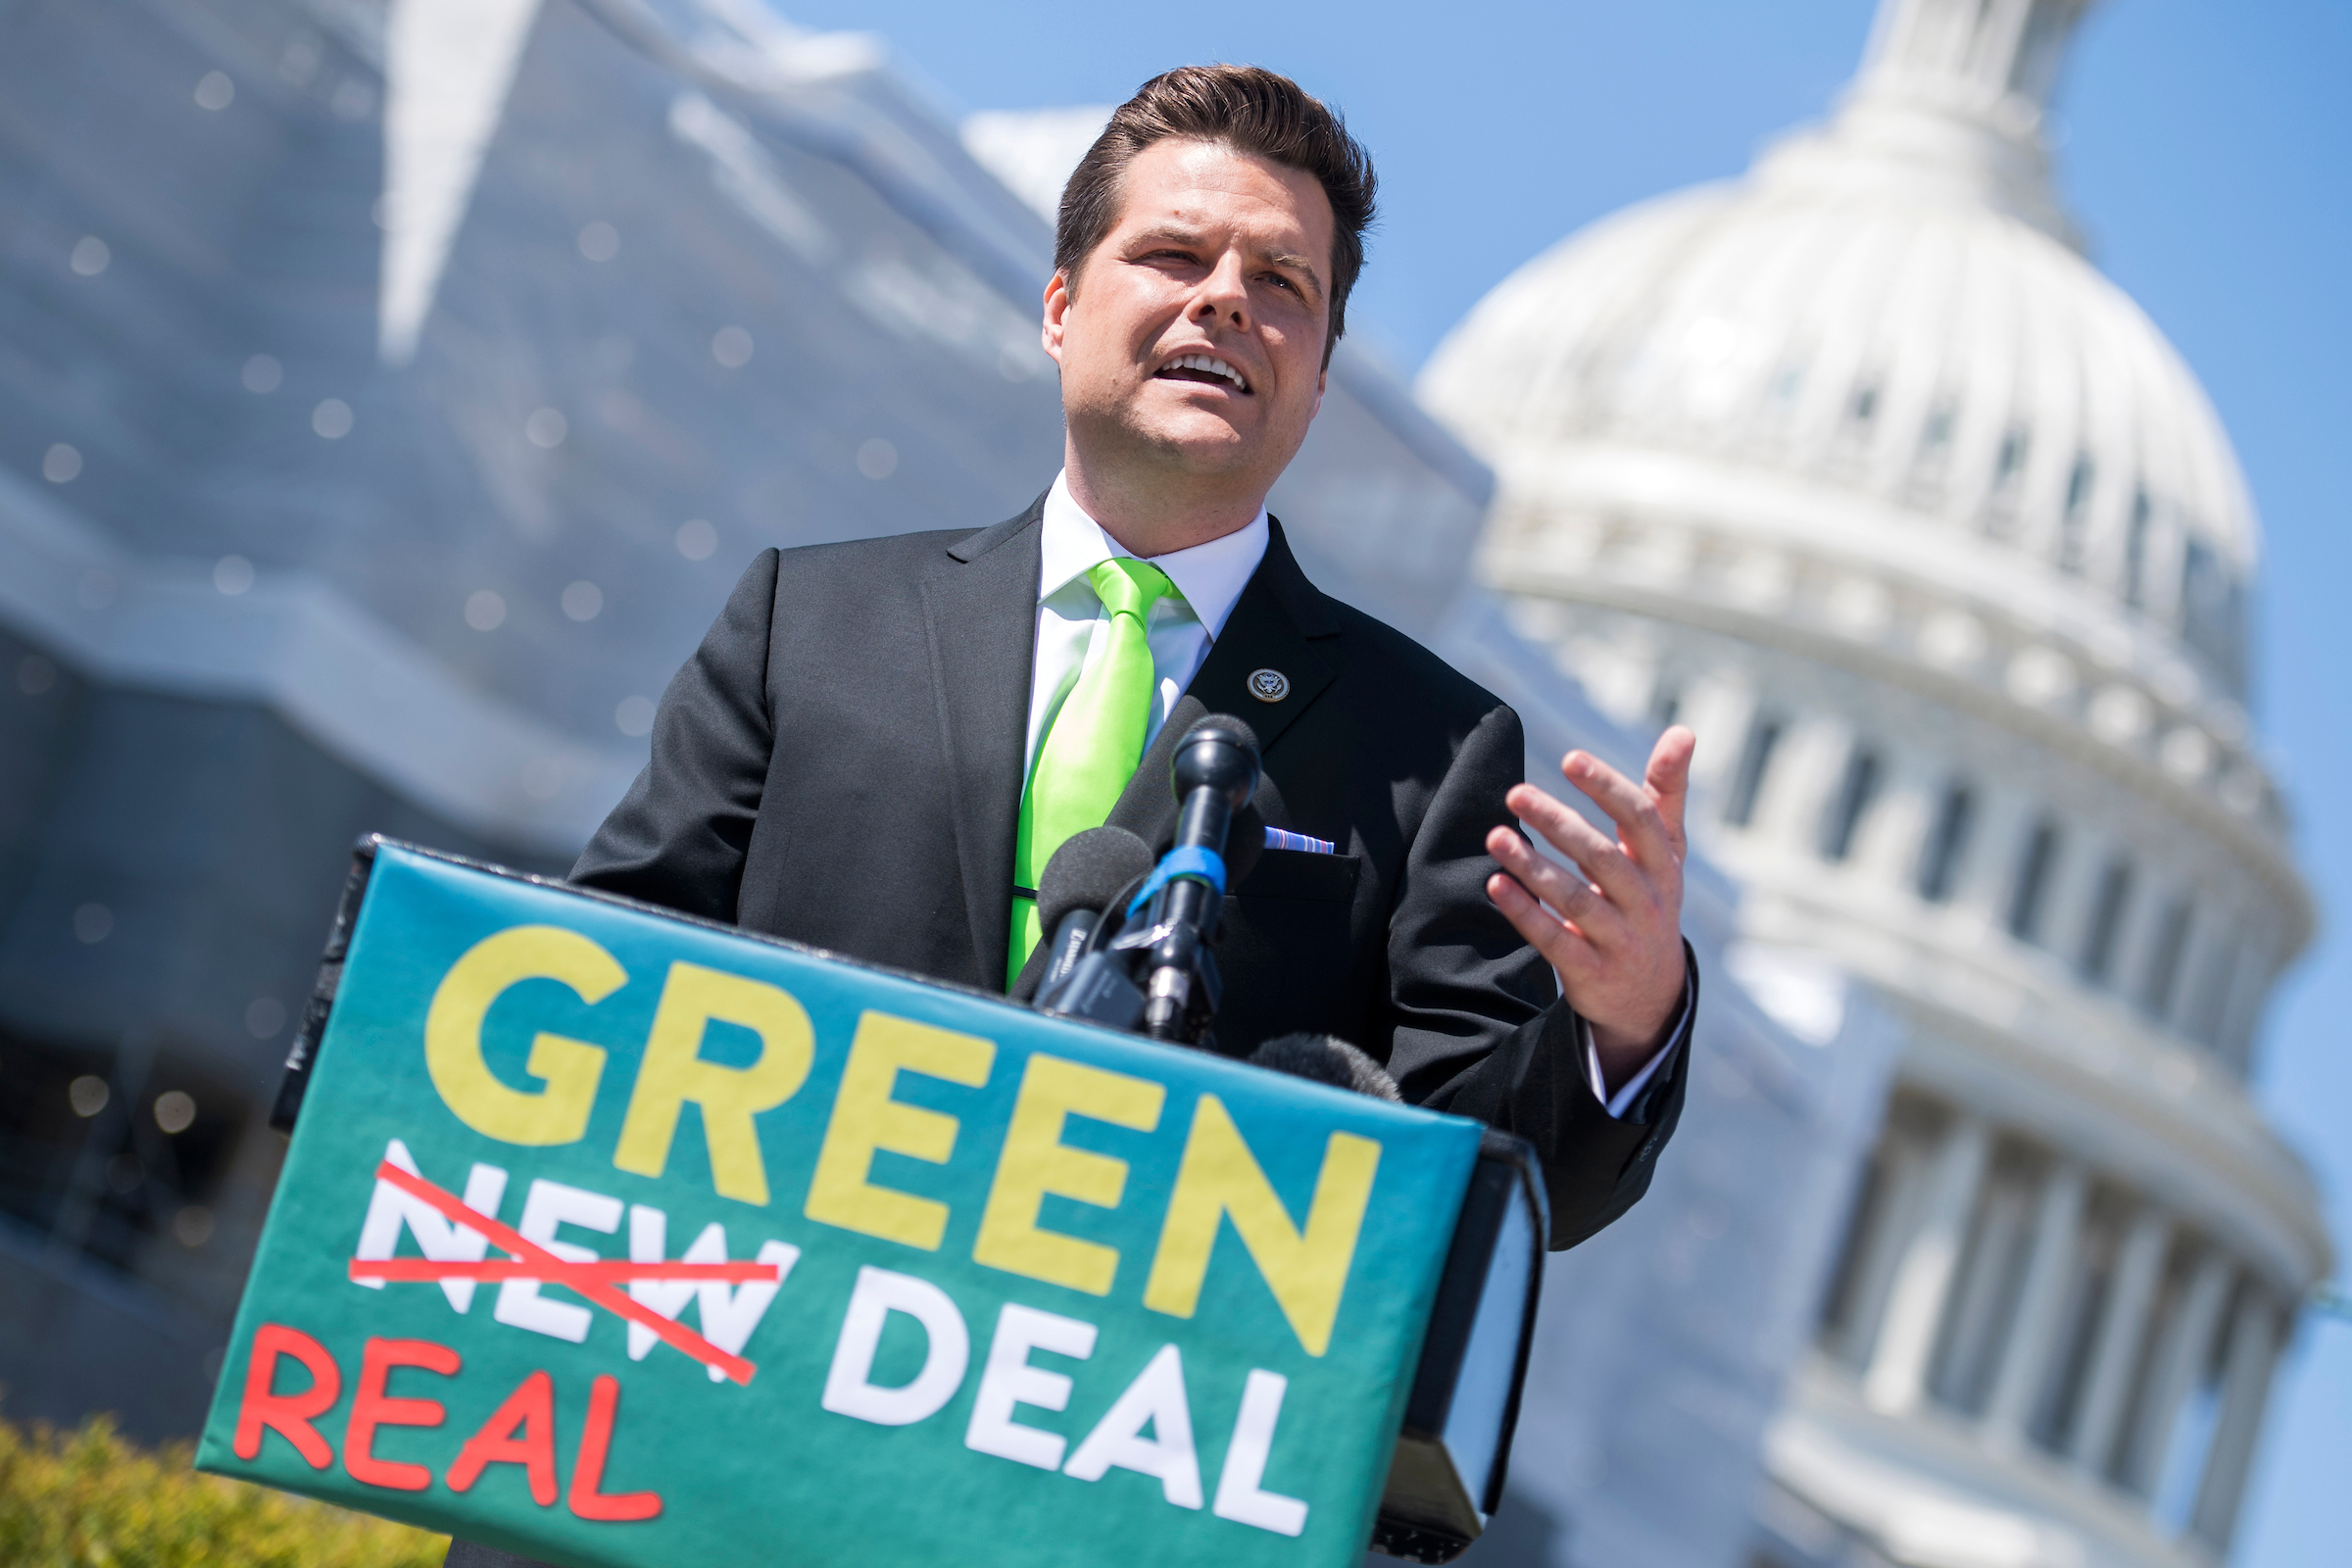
1210,576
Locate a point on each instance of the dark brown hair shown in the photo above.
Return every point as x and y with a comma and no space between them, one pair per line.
1251,111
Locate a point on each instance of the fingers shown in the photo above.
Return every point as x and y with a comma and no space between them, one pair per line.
1630,805
1566,949
1577,901
1625,994
1601,856
1669,779
1611,934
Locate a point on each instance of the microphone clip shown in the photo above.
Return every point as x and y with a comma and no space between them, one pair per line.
1148,964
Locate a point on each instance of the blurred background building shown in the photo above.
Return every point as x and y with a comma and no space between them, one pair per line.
389,396
391,390
1858,466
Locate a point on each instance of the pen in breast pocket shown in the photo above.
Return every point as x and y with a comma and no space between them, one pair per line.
1279,839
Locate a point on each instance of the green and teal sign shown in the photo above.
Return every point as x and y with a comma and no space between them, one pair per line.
614,1238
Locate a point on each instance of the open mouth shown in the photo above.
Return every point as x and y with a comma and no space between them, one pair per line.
1203,368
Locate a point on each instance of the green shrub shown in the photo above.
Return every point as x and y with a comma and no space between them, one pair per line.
91,1500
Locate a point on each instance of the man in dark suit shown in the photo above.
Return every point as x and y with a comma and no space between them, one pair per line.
879,744
861,753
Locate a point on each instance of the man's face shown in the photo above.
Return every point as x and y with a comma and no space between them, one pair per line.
1192,343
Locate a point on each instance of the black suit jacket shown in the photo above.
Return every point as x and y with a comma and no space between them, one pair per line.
841,763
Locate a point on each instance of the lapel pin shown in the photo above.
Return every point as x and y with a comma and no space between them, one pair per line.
1269,685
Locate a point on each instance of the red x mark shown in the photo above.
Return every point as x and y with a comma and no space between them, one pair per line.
532,1261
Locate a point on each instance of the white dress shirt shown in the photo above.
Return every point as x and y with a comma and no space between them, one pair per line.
1073,630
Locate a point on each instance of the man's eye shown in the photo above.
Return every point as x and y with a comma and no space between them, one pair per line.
1280,282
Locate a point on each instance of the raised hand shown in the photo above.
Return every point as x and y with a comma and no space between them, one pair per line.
1614,934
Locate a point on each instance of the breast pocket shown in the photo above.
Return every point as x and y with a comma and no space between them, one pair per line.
1300,874
1290,952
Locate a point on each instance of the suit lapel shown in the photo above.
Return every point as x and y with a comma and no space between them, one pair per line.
980,614
1275,626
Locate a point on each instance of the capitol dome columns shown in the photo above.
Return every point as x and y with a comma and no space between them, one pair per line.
2255,1341
1897,1378
2040,1307
1857,465
2177,1366
1926,1294
2123,1325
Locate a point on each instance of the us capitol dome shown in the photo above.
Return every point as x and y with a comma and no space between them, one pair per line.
1860,467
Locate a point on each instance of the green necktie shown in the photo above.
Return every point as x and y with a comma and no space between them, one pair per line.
1091,747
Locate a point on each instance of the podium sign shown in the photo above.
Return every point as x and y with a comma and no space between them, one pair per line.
613,1237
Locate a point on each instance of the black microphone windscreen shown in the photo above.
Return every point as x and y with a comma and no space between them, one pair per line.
1236,730
1327,1059
1219,752
1088,871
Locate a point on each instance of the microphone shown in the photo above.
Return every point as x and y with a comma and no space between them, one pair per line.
1214,776
1090,871
1245,841
1327,1059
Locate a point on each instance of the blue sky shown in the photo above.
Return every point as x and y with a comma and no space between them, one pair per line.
2208,151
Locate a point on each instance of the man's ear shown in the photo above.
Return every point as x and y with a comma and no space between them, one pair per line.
1057,307
1322,380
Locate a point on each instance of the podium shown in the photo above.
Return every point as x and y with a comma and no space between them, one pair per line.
611,1237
